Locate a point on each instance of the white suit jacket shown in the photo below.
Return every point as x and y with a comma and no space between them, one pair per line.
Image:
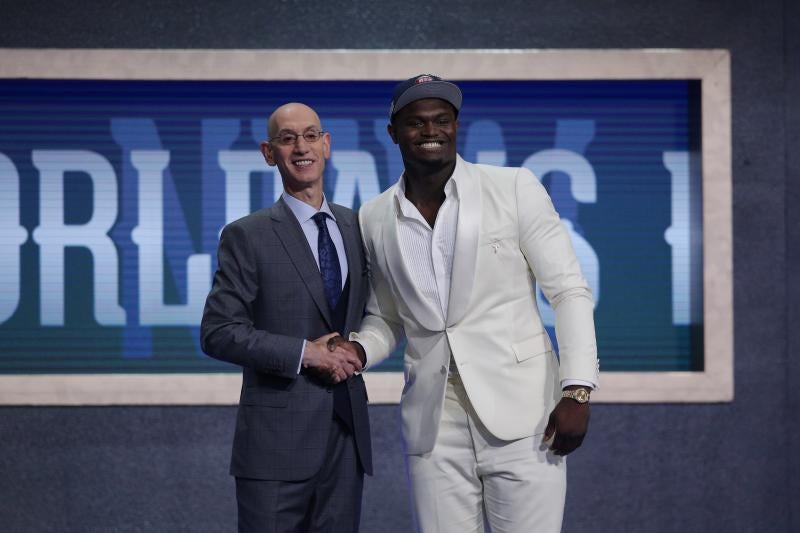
508,237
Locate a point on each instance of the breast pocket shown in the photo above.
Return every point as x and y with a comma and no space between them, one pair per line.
504,232
500,244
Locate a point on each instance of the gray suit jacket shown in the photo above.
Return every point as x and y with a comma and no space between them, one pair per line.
266,298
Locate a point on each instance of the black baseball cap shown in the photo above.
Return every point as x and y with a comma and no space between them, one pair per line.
424,86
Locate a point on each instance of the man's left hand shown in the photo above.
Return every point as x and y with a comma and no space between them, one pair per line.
569,421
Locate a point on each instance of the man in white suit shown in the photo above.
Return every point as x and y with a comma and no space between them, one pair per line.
454,251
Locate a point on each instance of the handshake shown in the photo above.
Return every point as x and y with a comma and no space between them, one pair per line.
332,358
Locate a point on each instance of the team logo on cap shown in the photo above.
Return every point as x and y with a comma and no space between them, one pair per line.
423,79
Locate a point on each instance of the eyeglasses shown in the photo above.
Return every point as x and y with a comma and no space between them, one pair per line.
289,138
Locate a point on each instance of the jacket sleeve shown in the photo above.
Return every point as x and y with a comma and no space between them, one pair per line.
227,331
548,250
381,329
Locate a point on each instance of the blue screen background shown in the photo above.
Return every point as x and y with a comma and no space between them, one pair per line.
621,160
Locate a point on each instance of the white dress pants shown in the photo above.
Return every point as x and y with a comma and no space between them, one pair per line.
471,478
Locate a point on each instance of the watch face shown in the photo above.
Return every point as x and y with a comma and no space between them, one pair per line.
579,395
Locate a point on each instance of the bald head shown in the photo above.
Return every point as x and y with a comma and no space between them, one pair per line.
298,147
293,112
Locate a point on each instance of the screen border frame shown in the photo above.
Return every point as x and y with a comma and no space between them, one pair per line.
712,67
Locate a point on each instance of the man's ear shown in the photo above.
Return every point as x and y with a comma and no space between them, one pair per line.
390,130
326,145
266,151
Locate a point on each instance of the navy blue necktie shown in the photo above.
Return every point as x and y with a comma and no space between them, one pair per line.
328,262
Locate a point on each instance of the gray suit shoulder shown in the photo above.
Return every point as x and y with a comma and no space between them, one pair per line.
249,229
256,219
344,214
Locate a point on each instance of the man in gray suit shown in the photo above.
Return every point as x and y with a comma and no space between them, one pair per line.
289,274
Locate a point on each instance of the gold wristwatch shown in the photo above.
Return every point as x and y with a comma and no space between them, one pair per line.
579,395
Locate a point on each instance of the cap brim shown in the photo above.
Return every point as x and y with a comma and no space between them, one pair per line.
444,90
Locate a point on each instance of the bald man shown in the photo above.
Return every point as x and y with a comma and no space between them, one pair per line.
290,277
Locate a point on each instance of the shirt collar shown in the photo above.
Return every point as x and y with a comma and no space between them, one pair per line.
406,208
302,211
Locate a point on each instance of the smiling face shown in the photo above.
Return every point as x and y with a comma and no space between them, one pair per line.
425,131
302,163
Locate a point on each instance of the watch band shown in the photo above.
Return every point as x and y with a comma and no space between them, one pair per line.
579,395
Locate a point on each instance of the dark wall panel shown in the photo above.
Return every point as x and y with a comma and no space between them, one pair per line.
654,468
152,469
791,94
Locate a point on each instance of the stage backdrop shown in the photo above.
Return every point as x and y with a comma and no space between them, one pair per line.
119,169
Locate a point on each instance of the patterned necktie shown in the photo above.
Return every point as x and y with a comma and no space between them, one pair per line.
328,262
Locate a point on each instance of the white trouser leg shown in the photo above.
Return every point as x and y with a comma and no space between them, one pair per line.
521,485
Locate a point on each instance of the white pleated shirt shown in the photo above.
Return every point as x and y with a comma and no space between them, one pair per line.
428,251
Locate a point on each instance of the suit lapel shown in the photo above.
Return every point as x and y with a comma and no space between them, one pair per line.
428,317
465,254
352,246
297,248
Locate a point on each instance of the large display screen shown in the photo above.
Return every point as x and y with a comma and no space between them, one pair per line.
113,193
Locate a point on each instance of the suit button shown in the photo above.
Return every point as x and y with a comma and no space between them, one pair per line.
444,369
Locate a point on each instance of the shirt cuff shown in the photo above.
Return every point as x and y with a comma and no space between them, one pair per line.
353,337
567,382
302,351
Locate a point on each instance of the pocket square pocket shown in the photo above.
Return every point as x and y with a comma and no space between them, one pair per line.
497,235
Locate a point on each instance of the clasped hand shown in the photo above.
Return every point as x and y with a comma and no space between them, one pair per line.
331,358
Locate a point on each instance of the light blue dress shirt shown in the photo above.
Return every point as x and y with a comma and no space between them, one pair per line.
304,213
